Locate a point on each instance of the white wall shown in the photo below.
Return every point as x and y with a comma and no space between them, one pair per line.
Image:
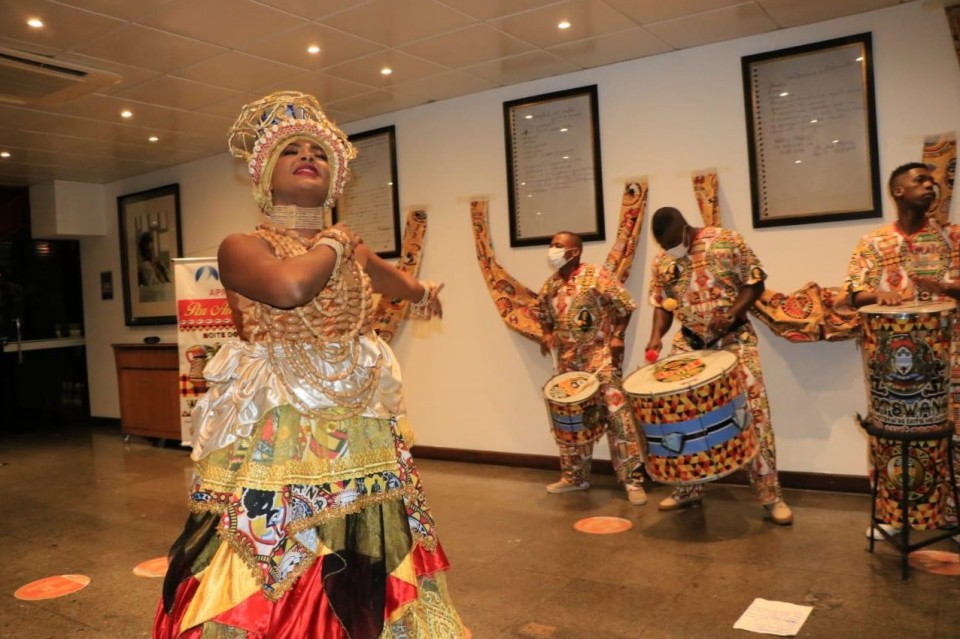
472,383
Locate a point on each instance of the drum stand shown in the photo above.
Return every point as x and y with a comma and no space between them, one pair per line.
902,540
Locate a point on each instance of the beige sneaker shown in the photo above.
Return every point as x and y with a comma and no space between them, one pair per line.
636,495
780,513
564,486
676,503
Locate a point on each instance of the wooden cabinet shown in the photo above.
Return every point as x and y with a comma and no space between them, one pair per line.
148,377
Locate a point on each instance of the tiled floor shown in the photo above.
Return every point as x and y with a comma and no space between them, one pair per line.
80,500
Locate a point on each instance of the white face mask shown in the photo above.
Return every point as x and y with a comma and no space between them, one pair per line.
679,251
556,257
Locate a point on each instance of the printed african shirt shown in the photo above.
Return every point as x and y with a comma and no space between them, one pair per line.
888,259
706,281
582,312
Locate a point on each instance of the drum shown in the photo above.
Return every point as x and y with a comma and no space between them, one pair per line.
695,416
906,361
573,405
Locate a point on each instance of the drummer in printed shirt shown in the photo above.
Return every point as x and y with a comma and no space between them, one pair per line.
913,258
710,278
584,310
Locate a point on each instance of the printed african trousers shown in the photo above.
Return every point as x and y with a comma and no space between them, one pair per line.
622,435
763,469
310,528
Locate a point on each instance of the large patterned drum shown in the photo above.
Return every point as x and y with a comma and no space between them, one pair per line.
906,361
573,405
695,417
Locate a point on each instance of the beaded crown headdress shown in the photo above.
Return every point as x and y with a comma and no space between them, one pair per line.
266,126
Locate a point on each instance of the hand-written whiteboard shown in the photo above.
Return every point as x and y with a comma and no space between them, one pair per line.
553,165
369,204
812,128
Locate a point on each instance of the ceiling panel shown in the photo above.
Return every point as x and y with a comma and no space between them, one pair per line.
325,88
470,45
177,93
490,9
227,23
789,13
587,18
739,21
221,71
123,9
139,46
312,9
367,70
65,27
395,22
442,86
616,47
290,47
522,68
647,11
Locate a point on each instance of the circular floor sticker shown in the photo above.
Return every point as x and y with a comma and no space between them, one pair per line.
603,525
152,568
939,562
51,587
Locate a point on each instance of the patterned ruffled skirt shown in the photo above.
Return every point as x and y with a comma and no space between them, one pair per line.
310,528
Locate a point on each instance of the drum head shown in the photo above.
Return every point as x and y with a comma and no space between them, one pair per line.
571,388
910,308
680,371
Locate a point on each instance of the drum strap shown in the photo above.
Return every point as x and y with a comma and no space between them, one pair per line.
696,342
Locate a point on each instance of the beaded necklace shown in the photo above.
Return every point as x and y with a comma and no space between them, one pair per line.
332,322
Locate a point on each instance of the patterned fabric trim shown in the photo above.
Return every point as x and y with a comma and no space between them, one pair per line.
390,311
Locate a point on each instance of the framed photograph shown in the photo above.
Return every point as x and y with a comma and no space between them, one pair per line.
149,239
812,133
370,203
553,166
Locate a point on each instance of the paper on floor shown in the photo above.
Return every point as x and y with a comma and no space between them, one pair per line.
773,618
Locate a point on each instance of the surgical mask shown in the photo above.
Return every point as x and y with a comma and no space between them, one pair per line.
679,251
556,257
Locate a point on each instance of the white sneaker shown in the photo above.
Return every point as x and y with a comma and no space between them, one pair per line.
564,486
873,532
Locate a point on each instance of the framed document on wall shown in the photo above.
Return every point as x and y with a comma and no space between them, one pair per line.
370,203
553,166
812,132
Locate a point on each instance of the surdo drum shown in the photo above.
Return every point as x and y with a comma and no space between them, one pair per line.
695,416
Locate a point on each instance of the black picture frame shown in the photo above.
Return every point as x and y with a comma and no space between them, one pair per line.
149,218
370,202
554,172
812,133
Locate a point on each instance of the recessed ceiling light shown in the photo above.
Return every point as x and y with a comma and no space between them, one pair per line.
563,25
153,138
35,23
126,114
528,117
784,94
860,59
814,121
314,49
5,154
566,157
563,130
386,71
836,141
798,161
